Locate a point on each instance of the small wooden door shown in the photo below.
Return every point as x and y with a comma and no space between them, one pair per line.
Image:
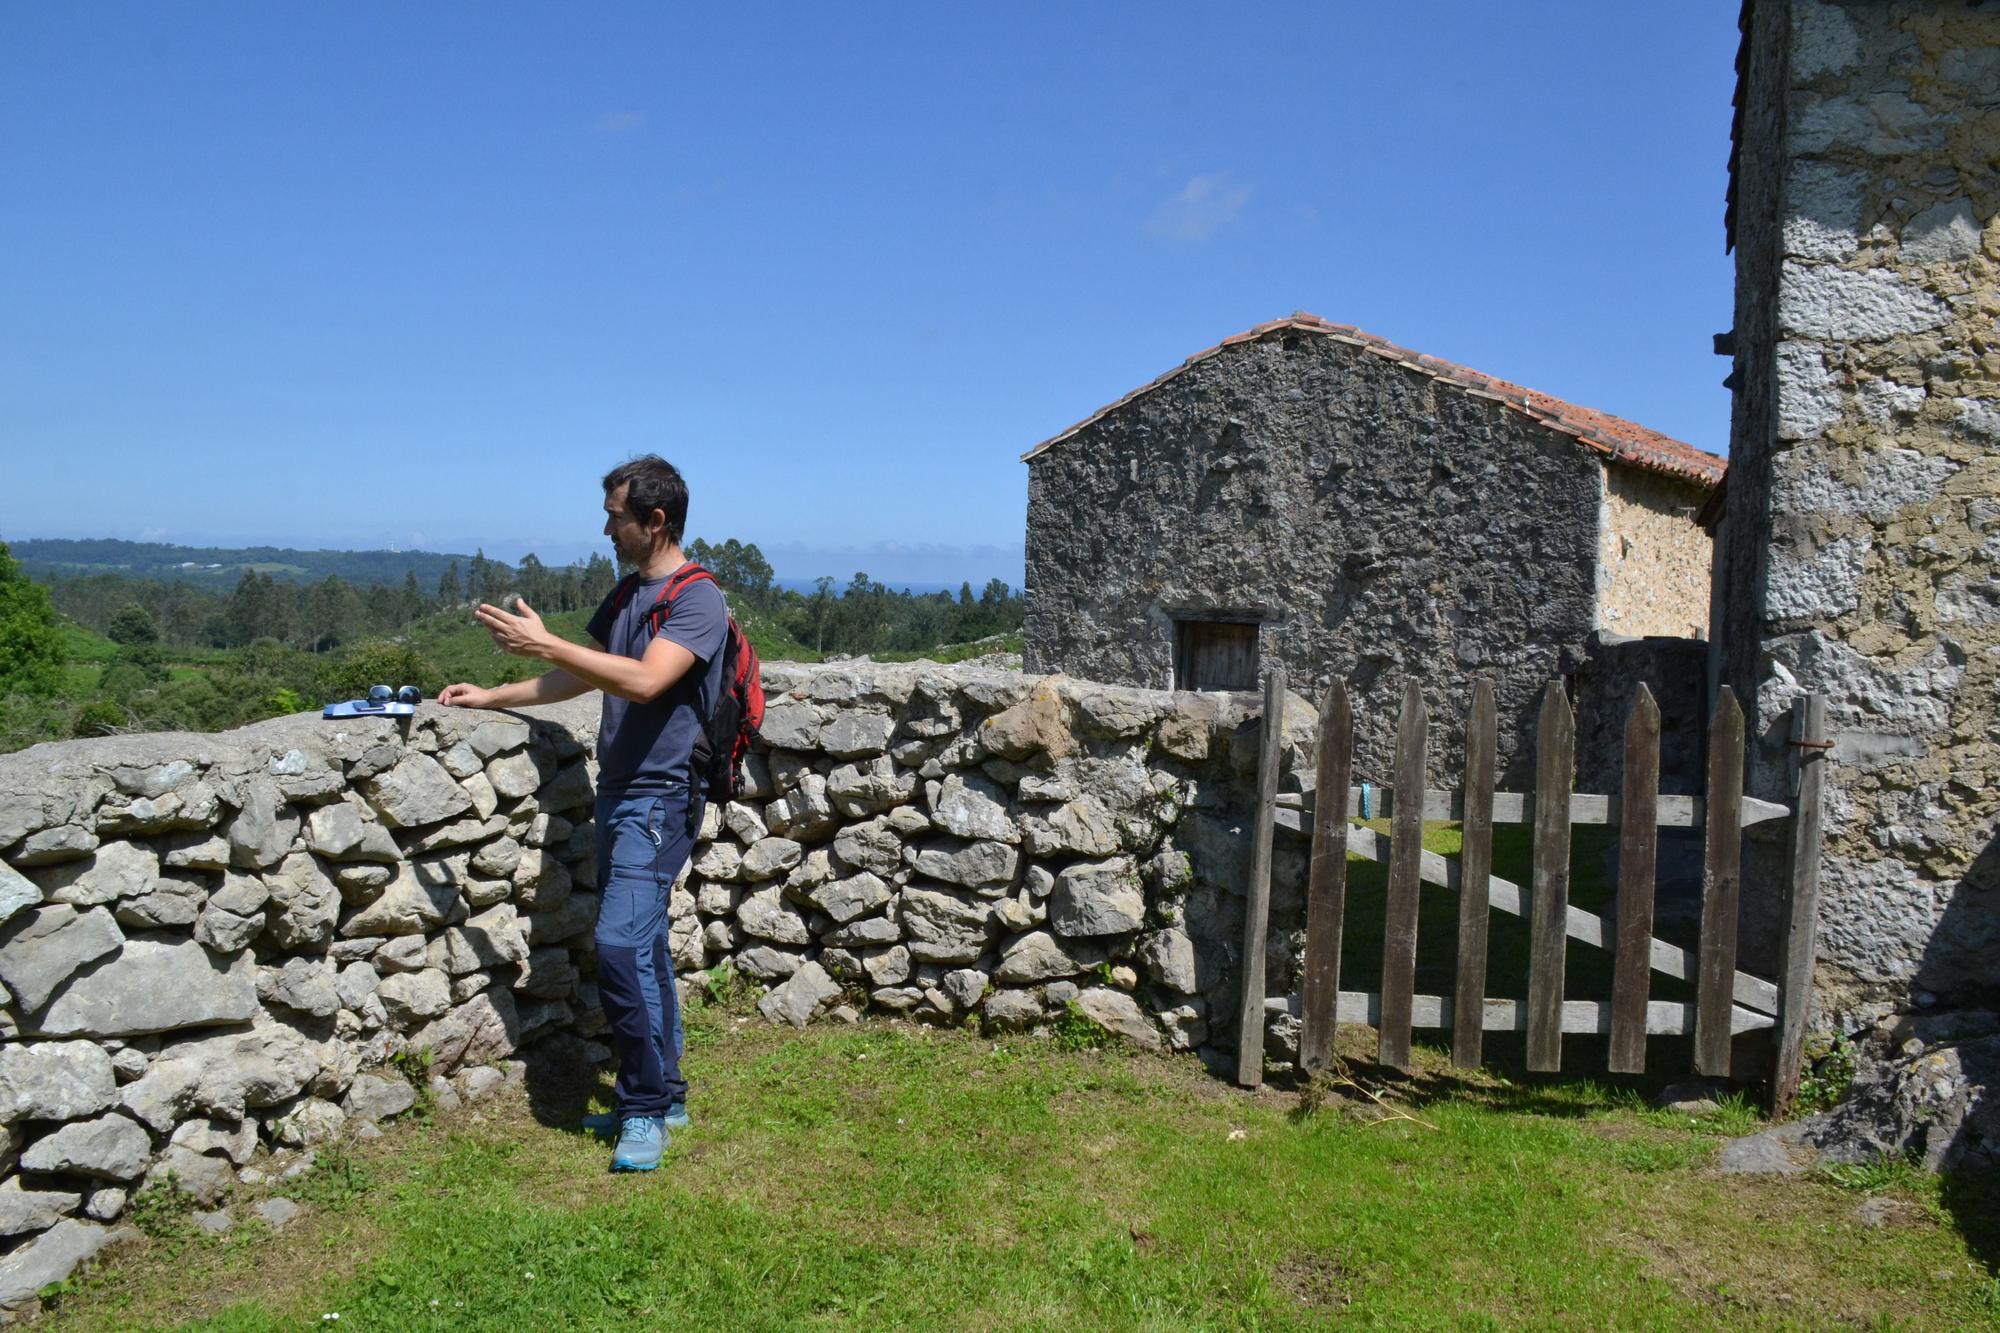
1215,655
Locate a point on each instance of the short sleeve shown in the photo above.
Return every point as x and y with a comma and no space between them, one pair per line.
698,620
607,616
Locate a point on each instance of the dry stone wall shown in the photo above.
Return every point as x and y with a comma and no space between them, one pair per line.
213,948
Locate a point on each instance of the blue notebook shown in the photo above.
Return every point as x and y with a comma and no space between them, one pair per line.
363,708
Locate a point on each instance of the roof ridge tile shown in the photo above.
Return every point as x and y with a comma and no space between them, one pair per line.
1623,441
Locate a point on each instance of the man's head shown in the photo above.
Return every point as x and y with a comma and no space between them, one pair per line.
645,507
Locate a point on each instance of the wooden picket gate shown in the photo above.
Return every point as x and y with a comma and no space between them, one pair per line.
1727,1001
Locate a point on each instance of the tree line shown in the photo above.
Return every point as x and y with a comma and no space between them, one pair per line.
182,657
318,616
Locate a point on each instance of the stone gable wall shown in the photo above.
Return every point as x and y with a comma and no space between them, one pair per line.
1867,436
1653,560
1382,524
213,947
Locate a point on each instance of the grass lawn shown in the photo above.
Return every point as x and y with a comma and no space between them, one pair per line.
891,1176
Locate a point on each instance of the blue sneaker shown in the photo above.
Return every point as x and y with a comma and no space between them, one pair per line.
605,1124
641,1140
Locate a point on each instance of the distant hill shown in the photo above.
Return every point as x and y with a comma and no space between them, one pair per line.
222,566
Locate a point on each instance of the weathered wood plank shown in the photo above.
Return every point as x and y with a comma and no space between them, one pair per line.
1406,850
1503,895
1475,871
1257,906
1511,807
1555,771
1326,892
1638,855
1721,888
1664,1018
1801,914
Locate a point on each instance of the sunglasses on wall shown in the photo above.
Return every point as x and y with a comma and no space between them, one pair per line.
380,696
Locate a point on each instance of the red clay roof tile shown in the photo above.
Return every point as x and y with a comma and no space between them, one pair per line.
1618,439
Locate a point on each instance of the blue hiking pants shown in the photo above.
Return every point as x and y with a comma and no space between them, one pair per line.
642,843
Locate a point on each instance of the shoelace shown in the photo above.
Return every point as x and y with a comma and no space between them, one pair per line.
637,1129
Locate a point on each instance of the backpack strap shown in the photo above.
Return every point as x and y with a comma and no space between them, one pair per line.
663,604
623,592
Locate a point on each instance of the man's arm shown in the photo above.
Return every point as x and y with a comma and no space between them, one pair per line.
640,680
547,688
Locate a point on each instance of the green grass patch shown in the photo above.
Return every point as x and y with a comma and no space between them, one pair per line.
945,654
83,645
915,1178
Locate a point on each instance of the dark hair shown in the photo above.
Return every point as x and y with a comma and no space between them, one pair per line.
651,483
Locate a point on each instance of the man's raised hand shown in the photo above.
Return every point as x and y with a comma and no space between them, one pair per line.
521,633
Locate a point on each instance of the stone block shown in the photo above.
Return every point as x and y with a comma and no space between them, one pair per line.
416,792
978,865
54,1080
154,985
115,870
946,927
47,1259
855,896
342,832
1035,958
110,1147
1098,898
42,948
303,904
303,985
408,906
175,901
800,997
412,997
1119,1014
25,1211
264,827
374,1098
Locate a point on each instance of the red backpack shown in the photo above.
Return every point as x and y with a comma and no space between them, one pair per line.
739,708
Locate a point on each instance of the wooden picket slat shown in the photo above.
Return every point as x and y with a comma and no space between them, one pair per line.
1257,905
1638,856
1555,770
1721,888
1406,847
1326,893
1476,868
1801,923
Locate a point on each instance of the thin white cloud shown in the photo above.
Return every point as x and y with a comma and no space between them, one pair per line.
620,122
1199,209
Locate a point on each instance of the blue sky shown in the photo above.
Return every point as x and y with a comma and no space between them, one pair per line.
364,275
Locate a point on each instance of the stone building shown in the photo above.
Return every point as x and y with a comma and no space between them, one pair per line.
1863,511
1311,494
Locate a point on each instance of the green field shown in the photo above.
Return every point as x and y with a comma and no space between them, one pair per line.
889,1176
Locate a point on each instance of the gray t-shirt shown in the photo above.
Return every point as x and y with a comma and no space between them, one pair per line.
645,749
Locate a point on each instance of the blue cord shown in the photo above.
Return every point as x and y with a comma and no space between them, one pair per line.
1364,800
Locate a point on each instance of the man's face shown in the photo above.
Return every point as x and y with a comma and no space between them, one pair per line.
631,539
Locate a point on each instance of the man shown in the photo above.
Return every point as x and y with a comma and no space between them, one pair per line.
657,688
